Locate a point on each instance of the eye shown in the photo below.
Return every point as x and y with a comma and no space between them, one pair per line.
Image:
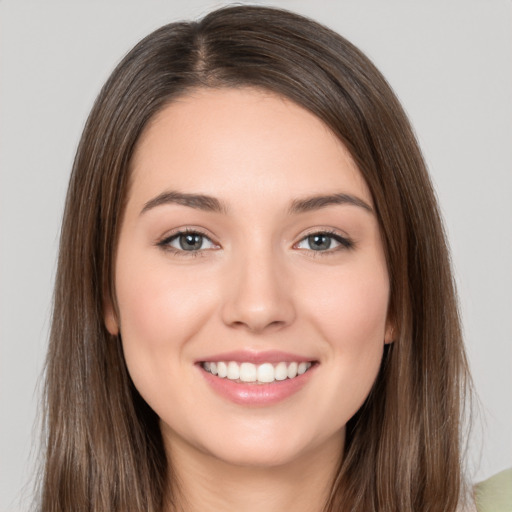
323,242
189,241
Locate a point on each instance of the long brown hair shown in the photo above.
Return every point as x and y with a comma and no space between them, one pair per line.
104,450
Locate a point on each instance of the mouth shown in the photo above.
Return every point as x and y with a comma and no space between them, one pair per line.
251,373
257,379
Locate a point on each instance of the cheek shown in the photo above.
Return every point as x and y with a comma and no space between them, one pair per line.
158,301
160,311
350,307
351,315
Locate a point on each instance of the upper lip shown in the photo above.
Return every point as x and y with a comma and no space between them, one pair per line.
247,356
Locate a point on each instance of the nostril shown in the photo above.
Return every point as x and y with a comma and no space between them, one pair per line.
257,327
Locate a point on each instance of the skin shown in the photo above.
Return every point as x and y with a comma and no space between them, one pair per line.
256,284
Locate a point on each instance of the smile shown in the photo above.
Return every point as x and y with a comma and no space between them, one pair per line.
265,373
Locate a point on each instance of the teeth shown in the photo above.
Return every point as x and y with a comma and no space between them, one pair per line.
281,371
262,373
233,371
292,370
222,369
248,372
265,373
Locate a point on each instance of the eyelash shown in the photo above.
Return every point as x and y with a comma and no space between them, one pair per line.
345,243
165,243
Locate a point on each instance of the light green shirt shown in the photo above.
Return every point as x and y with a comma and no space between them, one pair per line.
495,493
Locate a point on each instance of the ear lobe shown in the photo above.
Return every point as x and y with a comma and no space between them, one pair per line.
389,335
110,318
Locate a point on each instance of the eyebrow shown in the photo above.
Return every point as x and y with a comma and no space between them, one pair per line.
197,201
320,201
212,204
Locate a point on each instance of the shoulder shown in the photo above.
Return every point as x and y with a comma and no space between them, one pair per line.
495,493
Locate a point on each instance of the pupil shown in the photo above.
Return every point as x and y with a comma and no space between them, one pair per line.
191,242
319,242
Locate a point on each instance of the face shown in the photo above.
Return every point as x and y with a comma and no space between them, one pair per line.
250,278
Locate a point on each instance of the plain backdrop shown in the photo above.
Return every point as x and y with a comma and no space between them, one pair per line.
450,62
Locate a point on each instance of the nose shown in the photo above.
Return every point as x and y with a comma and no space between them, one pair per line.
259,297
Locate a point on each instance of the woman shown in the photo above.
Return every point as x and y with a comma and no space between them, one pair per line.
254,305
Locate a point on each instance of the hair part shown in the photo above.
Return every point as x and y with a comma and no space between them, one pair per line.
104,449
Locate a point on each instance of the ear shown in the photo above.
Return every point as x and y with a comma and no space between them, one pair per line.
110,317
390,332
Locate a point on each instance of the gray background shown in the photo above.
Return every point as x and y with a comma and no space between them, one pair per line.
450,62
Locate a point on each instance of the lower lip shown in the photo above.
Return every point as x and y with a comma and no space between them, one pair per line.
254,394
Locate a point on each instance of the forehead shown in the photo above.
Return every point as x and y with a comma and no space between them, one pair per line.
217,141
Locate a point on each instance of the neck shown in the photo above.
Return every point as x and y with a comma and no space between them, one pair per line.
203,483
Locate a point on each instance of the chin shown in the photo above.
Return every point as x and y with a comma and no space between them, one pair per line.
260,449
257,457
